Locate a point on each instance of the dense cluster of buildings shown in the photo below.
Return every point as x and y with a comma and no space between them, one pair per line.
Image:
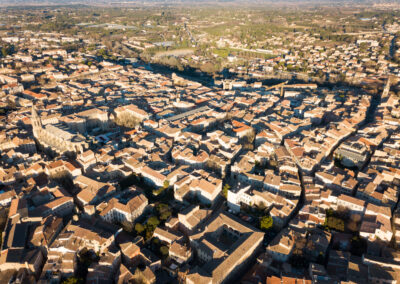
323,163
303,53
360,61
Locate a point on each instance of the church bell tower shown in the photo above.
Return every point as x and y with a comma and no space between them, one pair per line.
36,121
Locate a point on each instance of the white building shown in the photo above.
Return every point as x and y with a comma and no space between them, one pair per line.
237,196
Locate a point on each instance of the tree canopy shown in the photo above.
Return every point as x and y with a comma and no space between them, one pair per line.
225,190
139,228
266,222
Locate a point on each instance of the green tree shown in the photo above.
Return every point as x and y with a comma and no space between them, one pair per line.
163,211
148,235
164,251
153,222
266,223
139,228
166,184
72,280
4,52
225,190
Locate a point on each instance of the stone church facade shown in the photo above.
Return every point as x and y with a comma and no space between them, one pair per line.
57,137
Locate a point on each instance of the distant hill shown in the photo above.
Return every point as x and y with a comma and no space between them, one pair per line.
90,2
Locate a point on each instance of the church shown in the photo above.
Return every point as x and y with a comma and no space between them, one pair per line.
57,137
